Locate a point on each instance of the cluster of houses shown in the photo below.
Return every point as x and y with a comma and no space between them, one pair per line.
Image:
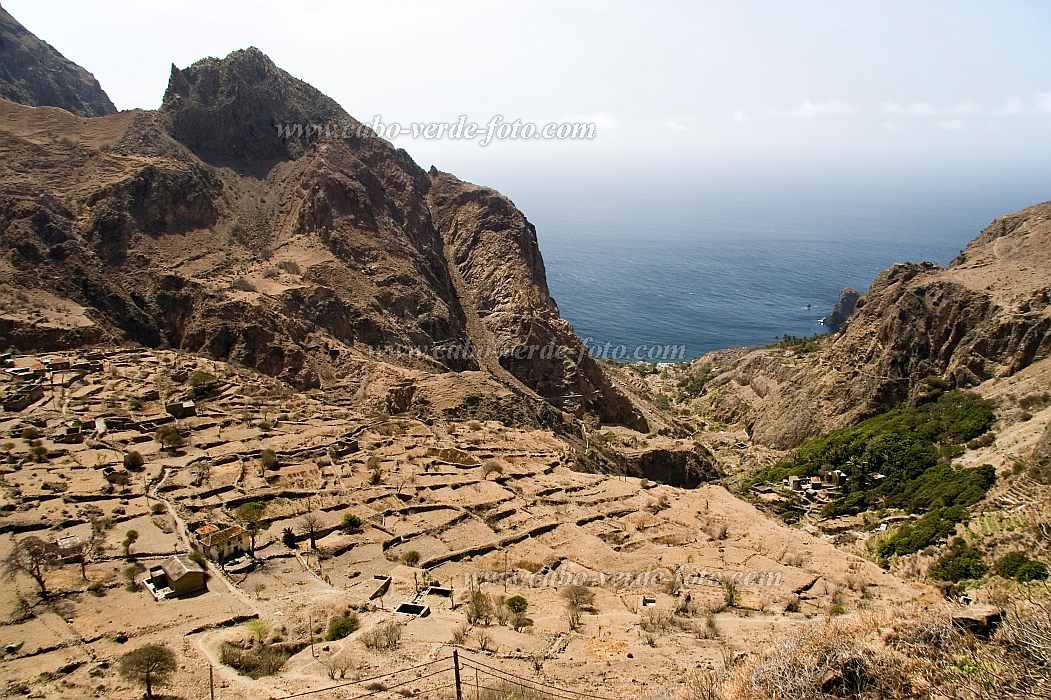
28,375
827,486
181,576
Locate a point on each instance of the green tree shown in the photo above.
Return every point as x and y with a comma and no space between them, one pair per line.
150,665
169,437
251,516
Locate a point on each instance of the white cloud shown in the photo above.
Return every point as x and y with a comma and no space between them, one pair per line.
891,127
740,116
952,125
1043,102
676,125
966,107
916,109
1011,106
811,109
603,120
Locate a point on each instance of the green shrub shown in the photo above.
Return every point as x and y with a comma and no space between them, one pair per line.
351,522
133,460
201,378
1017,566
342,626
517,604
268,458
1031,571
982,441
960,562
410,558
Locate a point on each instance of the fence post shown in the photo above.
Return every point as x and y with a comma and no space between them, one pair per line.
456,674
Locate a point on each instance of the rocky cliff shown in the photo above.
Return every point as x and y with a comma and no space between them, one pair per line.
843,310
987,315
32,72
302,253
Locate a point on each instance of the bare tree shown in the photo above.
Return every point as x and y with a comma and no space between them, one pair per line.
31,556
311,523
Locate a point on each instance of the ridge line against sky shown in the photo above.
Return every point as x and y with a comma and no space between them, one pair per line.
734,79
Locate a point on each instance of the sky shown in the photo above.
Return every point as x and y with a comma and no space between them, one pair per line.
730,86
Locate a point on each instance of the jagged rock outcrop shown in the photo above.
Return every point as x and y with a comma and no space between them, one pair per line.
843,310
33,73
227,223
985,316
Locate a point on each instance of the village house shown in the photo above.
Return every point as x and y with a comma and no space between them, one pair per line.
68,549
175,577
181,409
221,543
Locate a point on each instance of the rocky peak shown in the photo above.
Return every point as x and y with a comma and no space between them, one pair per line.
229,109
843,310
32,72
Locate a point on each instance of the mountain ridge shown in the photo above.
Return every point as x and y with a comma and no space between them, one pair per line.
33,72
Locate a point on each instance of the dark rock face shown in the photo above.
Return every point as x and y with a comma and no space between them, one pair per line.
230,109
33,73
684,468
843,310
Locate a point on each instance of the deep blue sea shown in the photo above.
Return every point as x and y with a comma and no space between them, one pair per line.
713,266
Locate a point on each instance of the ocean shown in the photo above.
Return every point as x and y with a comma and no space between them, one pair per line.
744,263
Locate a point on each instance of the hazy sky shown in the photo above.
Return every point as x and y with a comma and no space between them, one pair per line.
819,82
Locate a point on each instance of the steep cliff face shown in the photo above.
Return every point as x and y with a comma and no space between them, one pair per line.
33,73
843,310
226,223
495,255
987,315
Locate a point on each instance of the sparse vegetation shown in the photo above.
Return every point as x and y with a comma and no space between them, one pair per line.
384,637
133,460
255,662
695,381
410,558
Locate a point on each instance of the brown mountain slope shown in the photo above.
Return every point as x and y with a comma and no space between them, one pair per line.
986,315
202,227
32,72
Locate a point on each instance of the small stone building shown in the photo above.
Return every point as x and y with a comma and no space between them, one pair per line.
220,543
175,577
